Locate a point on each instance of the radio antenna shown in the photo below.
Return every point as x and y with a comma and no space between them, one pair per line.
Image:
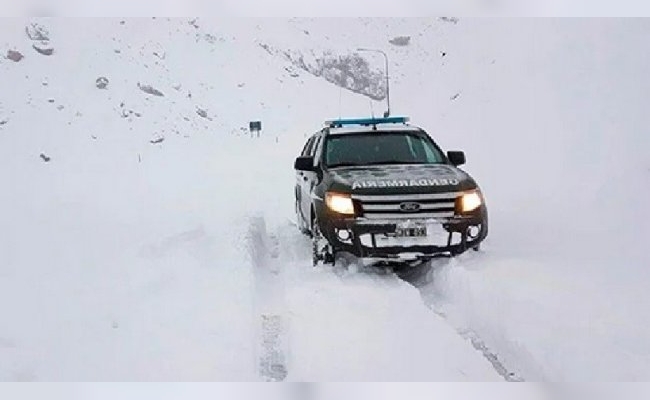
340,100
387,112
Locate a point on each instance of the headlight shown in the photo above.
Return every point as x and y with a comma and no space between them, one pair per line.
470,201
340,203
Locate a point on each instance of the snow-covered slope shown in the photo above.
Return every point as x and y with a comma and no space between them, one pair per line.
156,242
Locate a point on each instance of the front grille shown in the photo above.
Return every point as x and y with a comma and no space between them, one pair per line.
429,206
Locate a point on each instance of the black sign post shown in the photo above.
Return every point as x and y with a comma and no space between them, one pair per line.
255,127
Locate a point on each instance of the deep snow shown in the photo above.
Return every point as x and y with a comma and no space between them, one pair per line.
126,260
554,133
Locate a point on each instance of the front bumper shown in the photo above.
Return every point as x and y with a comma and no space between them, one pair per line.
373,238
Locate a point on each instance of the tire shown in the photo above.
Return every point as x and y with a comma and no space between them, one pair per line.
317,244
316,238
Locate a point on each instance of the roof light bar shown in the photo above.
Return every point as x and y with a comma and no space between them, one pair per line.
338,123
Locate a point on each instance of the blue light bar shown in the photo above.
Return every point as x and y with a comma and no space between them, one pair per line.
338,123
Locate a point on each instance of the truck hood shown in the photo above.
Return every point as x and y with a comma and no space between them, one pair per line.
432,178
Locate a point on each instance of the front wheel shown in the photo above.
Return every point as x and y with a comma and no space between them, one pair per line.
320,247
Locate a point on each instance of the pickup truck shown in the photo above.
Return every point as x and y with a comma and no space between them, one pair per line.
382,189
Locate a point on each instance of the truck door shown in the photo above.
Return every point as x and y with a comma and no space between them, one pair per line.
310,179
301,180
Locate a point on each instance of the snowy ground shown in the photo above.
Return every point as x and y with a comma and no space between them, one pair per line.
122,259
560,292
322,391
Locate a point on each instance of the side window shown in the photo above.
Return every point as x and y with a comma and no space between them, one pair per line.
307,149
317,150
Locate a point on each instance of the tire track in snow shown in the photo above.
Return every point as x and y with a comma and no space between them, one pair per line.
481,347
421,280
271,330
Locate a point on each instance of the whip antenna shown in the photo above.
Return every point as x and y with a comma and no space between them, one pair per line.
340,100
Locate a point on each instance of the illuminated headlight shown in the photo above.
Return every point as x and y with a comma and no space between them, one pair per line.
340,203
470,201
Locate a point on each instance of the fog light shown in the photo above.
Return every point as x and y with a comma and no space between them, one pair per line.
343,234
473,231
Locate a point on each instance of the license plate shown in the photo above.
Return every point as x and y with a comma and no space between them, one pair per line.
418,231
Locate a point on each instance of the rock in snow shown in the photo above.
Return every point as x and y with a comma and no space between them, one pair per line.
14,55
400,41
157,139
43,48
41,37
452,20
202,113
101,82
37,32
150,90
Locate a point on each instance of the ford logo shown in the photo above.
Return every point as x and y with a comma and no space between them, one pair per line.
410,207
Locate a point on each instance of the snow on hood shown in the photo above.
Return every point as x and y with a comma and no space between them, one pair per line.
406,177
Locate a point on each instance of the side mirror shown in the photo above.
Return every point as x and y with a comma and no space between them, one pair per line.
304,164
457,158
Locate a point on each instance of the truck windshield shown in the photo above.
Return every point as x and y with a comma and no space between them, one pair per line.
380,148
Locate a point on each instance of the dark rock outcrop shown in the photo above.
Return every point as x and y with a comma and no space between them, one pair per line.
400,41
14,55
349,71
150,90
37,32
43,48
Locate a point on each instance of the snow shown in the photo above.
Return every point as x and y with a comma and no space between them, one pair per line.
338,319
122,259
251,391
559,292
324,391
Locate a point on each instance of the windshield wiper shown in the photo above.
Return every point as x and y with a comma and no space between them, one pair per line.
395,162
